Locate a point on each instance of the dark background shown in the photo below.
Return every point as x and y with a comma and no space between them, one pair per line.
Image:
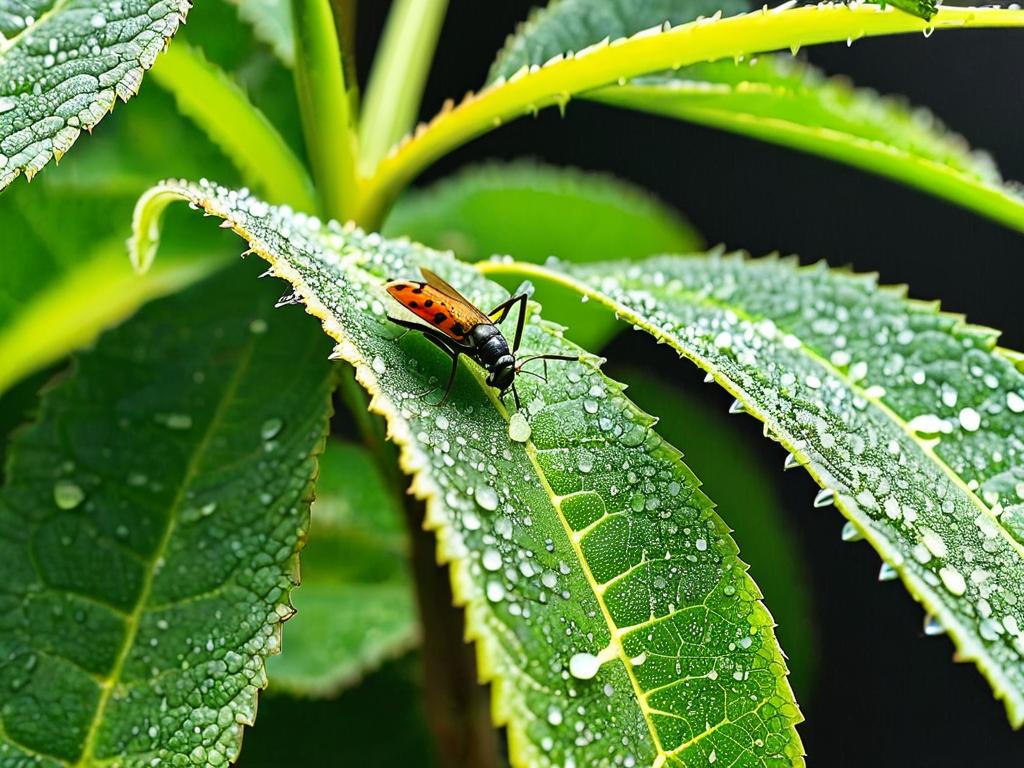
885,694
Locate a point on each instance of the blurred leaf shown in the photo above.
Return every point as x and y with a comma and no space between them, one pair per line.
604,593
533,211
150,523
271,22
217,104
63,284
355,606
909,418
64,65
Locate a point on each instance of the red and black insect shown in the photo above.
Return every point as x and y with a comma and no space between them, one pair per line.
459,328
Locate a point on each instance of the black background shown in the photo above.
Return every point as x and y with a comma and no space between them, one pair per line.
885,694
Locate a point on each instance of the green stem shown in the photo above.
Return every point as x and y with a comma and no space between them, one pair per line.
324,107
214,102
707,40
399,72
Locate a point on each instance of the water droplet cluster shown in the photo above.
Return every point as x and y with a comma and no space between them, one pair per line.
603,588
911,418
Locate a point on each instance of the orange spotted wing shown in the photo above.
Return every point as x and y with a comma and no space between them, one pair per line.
438,304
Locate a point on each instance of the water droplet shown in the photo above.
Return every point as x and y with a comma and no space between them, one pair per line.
98,20
555,716
379,365
495,592
270,428
486,497
7,104
584,666
791,462
887,573
737,407
953,580
519,428
970,419
1015,402
932,627
491,560
175,420
824,498
258,326
67,494
850,532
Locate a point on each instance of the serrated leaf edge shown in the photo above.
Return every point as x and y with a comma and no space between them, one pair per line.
967,648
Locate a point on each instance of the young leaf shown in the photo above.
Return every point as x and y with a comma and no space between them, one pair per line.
63,66
545,211
909,418
150,522
355,606
214,101
612,614
780,100
647,52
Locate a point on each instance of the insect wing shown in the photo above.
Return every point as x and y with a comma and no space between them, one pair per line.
452,315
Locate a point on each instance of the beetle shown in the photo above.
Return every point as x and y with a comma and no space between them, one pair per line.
458,327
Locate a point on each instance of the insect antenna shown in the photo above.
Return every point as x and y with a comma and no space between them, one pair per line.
531,358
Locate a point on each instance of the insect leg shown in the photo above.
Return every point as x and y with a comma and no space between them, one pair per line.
504,308
451,349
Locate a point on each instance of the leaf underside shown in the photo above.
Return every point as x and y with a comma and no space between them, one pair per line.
914,419
149,529
612,614
64,64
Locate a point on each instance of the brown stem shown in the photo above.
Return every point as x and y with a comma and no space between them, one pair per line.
458,707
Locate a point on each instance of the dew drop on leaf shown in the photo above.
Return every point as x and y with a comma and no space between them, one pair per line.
67,494
584,666
519,428
270,428
487,498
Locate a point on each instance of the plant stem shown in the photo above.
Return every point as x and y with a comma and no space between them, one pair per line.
324,106
458,706
399,72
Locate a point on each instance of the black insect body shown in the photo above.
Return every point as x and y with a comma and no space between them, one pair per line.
459,328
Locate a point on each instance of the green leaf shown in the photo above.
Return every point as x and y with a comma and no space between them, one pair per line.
718,454
910,419
150,523
545,211
606,63
64,65
782,101
214,101
604,593
572,25
355,606
271,22
62,285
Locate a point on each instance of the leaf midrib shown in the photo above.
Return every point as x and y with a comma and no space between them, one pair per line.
899,421
134,618
614,631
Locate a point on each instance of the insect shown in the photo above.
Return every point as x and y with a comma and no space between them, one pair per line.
459,328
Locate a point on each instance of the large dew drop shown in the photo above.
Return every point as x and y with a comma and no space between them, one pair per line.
584,666
487,497
519,428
